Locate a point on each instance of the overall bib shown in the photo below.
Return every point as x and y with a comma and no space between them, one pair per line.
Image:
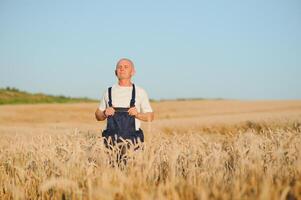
121,125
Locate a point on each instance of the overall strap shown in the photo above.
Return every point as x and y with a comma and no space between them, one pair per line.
132,104
110,97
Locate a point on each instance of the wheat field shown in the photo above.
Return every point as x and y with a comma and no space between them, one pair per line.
223,149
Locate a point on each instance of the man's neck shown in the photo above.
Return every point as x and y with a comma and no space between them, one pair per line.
125,83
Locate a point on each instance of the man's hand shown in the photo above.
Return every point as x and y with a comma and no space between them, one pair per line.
102,115
147,117
110,111
133,111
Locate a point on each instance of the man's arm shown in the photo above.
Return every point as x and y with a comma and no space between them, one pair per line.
146,113
147,117
99,115
102,115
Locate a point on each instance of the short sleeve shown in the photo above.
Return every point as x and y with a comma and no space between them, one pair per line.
103,104
145,104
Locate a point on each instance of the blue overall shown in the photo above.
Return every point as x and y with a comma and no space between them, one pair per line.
121,124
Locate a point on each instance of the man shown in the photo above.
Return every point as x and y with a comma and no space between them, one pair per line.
124,105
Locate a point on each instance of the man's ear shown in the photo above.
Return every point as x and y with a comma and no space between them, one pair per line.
133,72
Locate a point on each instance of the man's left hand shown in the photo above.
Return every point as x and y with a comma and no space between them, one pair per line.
133,111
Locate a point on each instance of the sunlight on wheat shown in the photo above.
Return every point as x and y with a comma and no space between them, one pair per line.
247,161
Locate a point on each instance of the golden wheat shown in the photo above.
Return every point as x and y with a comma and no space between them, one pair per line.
259,161
193,150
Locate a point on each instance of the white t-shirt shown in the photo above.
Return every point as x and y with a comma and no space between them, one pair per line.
121,97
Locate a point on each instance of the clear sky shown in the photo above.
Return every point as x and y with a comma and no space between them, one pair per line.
181,49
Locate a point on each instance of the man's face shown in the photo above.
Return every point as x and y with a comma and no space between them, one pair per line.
124,70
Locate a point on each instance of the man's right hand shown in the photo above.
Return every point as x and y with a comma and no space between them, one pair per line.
109,111
102,115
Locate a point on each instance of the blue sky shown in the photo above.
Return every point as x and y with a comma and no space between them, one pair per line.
182,49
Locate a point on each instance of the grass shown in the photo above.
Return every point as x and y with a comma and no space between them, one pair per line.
15,96
245,161
11,95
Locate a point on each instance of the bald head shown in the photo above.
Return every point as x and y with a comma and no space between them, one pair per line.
125,69
125,61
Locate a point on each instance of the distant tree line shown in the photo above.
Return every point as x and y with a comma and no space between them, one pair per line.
13,89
